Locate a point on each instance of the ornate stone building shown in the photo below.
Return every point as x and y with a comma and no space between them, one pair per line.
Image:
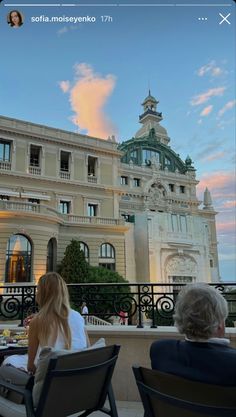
132,206
174,239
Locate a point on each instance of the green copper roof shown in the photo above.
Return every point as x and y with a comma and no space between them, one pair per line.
141,150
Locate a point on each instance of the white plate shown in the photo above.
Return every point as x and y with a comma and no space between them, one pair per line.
12,345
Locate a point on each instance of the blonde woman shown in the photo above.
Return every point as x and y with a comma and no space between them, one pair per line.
56,324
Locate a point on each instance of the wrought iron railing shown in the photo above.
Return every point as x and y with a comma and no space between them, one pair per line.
140,302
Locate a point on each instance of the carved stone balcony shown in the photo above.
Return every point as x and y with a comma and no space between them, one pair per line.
5,165
92,179
34,170
39,209
65,175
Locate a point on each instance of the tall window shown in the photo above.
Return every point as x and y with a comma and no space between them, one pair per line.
65,161
92,166
148,154
134,156
5,151
174,223
183,223
92,210
18,259
64,207
167,162
35,152
107,256
123,180
136,182
51,255
85,249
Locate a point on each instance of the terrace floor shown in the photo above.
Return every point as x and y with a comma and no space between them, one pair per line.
126,409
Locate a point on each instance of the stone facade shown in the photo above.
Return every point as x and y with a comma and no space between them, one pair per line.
132,206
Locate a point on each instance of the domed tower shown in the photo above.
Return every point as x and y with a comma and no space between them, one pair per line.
149,147
150,119
174,240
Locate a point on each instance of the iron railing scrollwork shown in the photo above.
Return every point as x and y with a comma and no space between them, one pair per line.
141,303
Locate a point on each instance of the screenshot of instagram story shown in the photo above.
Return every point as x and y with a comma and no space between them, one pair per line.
117,129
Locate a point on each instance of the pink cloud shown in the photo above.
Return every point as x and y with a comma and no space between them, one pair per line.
207,110
204,97
226,107
220,184
210,68
225,227
229,204
65,86
88,97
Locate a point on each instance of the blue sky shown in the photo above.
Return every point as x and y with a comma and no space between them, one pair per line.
92,77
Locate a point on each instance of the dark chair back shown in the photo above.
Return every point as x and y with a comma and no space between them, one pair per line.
167,395
78,381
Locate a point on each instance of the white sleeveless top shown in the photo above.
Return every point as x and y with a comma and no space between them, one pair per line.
78,341
78,337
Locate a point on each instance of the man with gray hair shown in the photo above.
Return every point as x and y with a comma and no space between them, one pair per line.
204,355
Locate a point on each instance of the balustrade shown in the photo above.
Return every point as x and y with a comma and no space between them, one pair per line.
4,165
138,301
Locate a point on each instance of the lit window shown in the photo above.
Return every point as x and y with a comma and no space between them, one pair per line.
18,259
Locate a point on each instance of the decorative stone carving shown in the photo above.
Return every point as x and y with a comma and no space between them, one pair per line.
181,265
156,193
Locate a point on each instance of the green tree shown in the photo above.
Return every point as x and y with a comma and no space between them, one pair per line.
73,267
110,299
102,301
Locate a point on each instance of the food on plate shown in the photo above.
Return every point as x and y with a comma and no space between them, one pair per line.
23,342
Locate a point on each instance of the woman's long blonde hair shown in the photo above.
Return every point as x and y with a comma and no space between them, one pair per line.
53,300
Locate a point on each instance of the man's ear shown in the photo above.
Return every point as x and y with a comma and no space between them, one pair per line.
221,329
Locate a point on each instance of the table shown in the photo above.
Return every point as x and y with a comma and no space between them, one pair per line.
18,350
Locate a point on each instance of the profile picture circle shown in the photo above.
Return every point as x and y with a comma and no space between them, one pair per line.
15,18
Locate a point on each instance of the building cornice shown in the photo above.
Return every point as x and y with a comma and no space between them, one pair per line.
55,136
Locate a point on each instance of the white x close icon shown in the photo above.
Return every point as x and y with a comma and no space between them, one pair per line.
224,18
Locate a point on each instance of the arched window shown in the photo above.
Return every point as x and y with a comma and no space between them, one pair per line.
107,256
148,154
18,259
51,255
85,249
